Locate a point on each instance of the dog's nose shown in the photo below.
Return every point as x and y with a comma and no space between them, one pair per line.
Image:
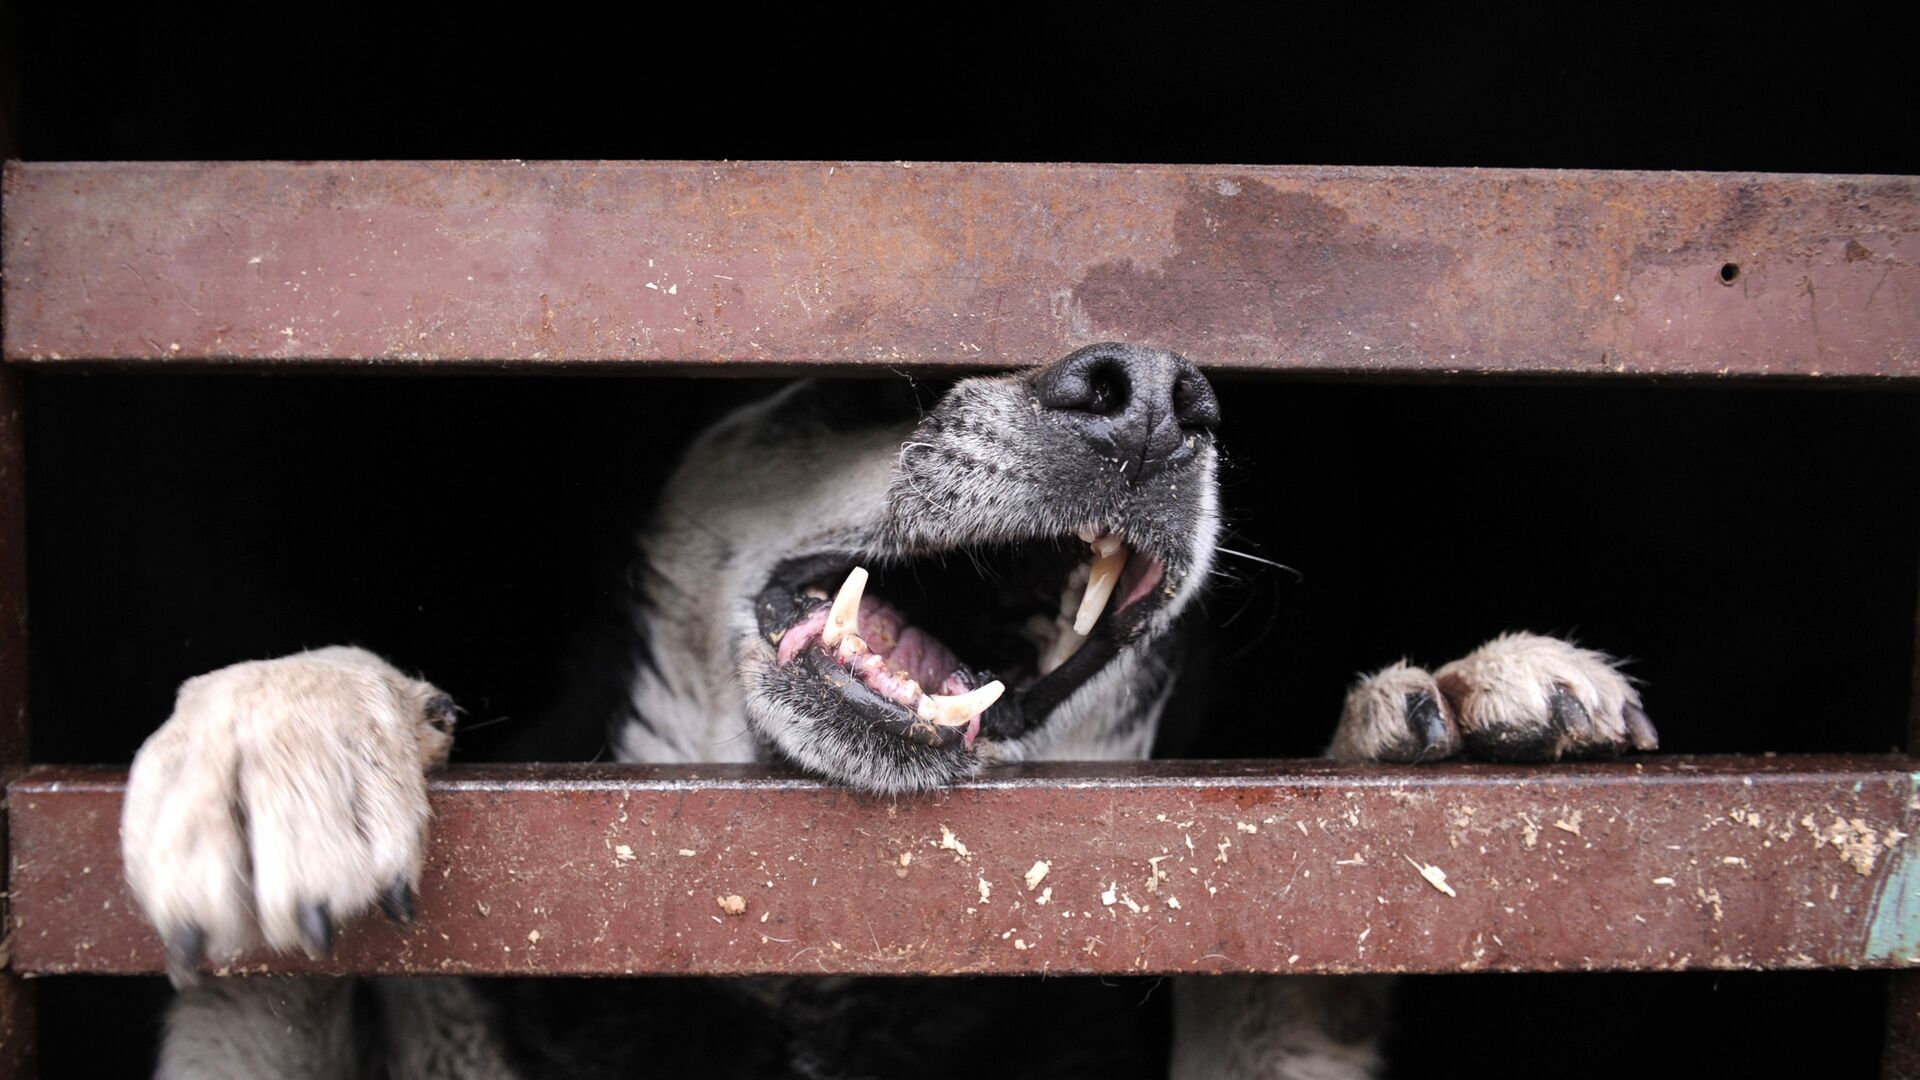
1145,409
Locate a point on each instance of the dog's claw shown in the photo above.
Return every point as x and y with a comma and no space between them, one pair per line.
186,948
1427,716
316,928
1640,730
398,902
1568,714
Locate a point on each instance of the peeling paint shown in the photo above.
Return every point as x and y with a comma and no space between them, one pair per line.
1893,920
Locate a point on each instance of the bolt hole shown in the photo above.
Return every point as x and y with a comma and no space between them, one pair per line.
1729,273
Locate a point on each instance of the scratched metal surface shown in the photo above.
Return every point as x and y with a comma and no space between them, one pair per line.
828,266
1669,863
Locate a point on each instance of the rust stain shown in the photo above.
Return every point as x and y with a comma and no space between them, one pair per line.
1253,261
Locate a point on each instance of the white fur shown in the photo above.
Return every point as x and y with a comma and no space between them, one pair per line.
277,784
1508,682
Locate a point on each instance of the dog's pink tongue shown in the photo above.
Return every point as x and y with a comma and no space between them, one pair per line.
921,655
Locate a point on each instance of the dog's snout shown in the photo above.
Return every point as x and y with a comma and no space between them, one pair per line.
1145,409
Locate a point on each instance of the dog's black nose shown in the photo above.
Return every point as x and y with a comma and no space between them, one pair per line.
1144,409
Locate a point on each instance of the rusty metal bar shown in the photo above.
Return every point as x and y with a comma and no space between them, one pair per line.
1671,863
848,266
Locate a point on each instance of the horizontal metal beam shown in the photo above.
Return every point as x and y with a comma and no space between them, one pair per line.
845,266
1670,863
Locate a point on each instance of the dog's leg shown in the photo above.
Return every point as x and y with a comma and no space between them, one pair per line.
281,796
252,1028
1278,1027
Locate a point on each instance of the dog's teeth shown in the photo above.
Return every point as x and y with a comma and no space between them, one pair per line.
853,650
1065,644
1106,545
844,618
814,592
1088,533
959,709
1100,582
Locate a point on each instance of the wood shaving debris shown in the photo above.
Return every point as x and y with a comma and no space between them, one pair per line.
1173,902
950,842
986,890
688,853
1246,826
733,904
1569,824
1111,895
1223,845
624,853
1131,906
1020,943
1046,895
1664,881
1854,840
1435,876
1529,831
1037,872
533,937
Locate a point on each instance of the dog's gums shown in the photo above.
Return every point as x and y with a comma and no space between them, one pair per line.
874,645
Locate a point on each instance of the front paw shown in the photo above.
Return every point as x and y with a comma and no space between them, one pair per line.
1526,697
282,796
1519,697
1397,714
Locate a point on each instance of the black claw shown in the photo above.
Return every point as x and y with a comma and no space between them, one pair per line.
1569,715
186,947
441,712
398,902
1427,716
317,929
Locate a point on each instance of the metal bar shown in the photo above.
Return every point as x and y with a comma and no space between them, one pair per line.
847,266
17,1029
1671,863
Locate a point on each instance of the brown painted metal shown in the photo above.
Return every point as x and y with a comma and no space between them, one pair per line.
847,266
17,1057
1665,864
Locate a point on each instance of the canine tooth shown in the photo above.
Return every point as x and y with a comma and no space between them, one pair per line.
960,709
1107,545
1100,583
844,618
1088,533
1065,644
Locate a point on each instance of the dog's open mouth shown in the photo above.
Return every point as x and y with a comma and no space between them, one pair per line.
953,646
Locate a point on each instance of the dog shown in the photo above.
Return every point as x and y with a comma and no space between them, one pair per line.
888,592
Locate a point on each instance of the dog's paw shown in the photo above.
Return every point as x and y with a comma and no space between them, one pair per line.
1525,697
282,796
1396,714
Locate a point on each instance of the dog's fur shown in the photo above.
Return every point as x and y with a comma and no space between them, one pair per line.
286,794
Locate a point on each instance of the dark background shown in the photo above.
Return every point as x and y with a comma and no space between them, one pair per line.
1752,548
